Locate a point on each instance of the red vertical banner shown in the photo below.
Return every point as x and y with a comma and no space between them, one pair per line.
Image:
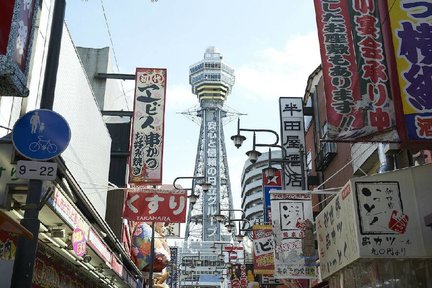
147,137
356,82
341,80
6,13
17,19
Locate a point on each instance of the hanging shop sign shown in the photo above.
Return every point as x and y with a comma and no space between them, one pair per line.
67,211
293,141
270,183
147,137
356,80
96,243
412,60
79,242
263,249
290,210
155,205
17,24
379,216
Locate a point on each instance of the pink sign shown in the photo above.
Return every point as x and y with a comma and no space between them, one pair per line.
79,242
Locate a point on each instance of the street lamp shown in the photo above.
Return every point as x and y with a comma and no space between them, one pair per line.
254,154
239,236
239,139
201,181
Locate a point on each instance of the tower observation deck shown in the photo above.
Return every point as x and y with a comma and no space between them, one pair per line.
212,82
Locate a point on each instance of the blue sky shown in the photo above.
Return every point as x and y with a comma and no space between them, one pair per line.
271,44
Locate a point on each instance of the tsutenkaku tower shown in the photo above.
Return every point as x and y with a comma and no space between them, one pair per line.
212,81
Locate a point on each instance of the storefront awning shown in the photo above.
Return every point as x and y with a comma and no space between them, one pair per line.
8,224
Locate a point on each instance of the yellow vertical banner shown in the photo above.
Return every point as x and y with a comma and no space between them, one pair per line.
411,25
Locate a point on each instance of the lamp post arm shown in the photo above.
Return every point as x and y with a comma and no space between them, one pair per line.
258,130
186,177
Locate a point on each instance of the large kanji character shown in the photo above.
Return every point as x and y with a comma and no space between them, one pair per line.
424,126
414,40
419,78
367,25
379,119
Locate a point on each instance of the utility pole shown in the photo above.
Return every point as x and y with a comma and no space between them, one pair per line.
26,249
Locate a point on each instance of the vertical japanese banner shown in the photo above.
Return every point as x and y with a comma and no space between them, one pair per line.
293,141
146,148
410,24
270,183
290,211
173,278
356,82
263,249
376,103
211,229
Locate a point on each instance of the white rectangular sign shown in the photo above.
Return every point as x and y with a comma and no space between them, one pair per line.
293,140
337,233
290,210
378,216
36,170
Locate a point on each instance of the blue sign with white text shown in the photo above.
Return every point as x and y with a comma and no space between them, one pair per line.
41,134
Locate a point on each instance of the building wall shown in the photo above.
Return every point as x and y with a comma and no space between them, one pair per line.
251,183
88,154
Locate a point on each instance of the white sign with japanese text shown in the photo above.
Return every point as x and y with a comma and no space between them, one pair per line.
379,216
290,210
293,140
148,126
337,233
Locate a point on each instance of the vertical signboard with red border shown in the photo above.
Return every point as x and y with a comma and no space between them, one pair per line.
155,205
356,82
269,183
293,142
263,249
411,63
17,19
147,137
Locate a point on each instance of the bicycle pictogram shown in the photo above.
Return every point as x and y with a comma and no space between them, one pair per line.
44,145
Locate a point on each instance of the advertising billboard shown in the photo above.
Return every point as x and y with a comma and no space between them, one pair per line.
356,81
290,211
147,137
379,216
411,55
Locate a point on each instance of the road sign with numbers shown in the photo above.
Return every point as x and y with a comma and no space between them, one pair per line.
36,170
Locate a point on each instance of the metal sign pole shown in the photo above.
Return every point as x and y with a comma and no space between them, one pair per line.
26,249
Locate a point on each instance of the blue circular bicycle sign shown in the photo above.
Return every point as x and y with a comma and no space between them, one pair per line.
41,134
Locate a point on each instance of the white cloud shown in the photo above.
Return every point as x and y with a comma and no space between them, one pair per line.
280,72
179,98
